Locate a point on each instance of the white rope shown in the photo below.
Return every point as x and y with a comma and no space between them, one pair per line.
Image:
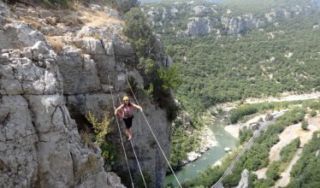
157,141
119,129
124,150
136,157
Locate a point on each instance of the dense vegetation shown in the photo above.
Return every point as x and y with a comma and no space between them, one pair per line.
257,157
258,6
159,80
276,167
244,110
306,172
224,69
212,174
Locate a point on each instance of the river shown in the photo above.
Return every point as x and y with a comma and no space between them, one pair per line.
191,170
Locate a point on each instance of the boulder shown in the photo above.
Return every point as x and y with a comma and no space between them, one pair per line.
244,182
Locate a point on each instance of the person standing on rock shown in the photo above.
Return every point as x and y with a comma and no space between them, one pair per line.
125,111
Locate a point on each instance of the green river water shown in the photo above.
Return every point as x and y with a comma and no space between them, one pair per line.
191,170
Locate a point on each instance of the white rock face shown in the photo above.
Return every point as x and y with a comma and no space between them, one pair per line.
198,27
244,182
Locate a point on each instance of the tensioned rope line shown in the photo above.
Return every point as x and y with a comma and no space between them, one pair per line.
121,139
136,157
156,139
120,134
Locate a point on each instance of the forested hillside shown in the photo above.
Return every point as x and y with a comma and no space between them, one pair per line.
280,57
261,63
232,50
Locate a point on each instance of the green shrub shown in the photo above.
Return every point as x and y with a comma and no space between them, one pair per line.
288,151
139,32
313,113
273,171
242,111
170,77
304,125
245,134
101,130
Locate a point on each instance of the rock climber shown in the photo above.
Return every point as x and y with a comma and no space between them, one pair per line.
125,111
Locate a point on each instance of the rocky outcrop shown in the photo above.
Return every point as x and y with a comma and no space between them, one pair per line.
40,143
49,83
198,27
244,182
203,19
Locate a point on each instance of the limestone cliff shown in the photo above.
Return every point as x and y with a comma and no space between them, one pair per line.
203,18
55,67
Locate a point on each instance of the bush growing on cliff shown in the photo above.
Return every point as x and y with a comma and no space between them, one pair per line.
139,32
101,130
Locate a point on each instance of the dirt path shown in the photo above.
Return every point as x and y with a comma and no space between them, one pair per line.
285,176
284,97
305,137
290,133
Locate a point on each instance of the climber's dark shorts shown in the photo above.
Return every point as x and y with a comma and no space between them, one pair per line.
128,122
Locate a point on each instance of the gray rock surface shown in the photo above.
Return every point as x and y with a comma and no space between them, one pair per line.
203,19
198,27
244,182
46,94
40,145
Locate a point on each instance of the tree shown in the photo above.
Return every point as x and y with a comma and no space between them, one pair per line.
139,32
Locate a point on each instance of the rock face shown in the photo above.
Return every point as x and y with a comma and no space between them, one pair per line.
198,27
244,182
201,19
46,93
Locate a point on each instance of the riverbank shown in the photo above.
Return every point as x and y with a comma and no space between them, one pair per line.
207,141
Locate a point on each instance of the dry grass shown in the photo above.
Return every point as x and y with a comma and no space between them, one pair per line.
32,22
56,42
98,18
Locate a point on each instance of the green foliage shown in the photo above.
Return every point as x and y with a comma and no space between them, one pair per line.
273,171
288,151
101,130
157,82
313,113
306,172
212,174
286,155
258,156
230,68
147,64
244,6
170,77
181,144
242,111
139,32
245,134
